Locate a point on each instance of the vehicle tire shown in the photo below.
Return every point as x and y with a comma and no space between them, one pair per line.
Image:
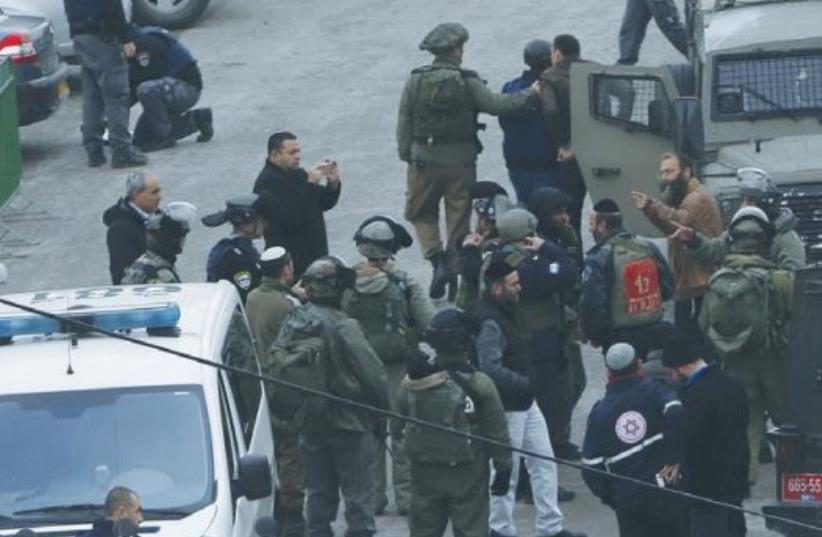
683,75
169,14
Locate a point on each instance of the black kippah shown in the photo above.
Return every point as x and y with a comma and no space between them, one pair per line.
606,205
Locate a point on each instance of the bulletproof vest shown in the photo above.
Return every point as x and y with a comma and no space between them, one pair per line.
537,312
307,354
636,295
385,318
85,16
450,405
443,112
142,271
746,306
176,59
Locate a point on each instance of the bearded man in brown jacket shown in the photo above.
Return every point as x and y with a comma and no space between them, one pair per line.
684,202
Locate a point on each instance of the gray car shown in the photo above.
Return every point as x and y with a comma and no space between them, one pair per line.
28,40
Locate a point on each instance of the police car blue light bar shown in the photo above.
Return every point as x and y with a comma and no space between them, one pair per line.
150,317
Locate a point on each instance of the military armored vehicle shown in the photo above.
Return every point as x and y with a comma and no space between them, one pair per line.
751,96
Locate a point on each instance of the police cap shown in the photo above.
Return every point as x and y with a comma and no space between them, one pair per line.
444,37
239,210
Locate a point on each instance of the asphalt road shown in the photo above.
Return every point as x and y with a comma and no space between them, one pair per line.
332,73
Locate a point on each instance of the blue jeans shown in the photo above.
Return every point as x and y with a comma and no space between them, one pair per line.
526,182
166,102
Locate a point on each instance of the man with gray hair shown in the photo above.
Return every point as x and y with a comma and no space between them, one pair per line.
123,515
126,221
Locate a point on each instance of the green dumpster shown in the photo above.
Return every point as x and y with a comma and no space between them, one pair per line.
11,162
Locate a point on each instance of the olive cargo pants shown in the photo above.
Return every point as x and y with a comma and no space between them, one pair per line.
289,469
427,185
400,470
763,376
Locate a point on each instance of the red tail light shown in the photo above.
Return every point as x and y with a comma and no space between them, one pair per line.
19,47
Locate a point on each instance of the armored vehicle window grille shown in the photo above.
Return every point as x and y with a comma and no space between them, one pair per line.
633,101
772,85
806,203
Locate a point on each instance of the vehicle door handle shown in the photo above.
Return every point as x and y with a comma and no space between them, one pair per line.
606,172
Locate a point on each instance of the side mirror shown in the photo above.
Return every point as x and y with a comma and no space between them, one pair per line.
255,477
266,527
689,131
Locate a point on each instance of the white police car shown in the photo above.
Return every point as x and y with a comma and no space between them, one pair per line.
81,413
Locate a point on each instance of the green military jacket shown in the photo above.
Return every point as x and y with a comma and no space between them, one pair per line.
787,248
478,98
150,268
266,307
489,422
349,340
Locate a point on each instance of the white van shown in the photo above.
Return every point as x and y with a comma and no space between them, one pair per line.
81,413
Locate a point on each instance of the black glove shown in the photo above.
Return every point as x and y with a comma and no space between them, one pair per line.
501,484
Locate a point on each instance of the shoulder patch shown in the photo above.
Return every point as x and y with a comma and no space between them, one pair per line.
631,427
242,279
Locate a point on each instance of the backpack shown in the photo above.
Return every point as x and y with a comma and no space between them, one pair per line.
443,109
636,296
306,353
448,405
744,309
385,318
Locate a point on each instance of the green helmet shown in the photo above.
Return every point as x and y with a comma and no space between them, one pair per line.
328,277
444,37
751,232
451,329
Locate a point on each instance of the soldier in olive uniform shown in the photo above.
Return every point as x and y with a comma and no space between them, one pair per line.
337,444
267,305
235,258
393,311
437,137
164,242
449,475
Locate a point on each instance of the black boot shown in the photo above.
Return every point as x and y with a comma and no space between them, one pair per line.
439,277
205,123
96,157
128,159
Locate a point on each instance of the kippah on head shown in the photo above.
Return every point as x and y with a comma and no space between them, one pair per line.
498,267
606,205
680,350
620,356
273,260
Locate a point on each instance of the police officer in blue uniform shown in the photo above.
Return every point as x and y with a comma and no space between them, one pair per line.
637,430
101,38
165,79
235,258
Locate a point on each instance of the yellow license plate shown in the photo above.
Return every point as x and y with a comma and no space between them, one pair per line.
63,89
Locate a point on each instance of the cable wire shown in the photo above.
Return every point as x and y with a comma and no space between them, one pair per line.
87,328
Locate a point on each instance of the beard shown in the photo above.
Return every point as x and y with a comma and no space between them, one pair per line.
674,192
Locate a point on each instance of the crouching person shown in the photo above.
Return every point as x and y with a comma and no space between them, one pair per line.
449,473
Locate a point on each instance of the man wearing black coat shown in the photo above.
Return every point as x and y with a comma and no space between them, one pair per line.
126,221
715,464
293,201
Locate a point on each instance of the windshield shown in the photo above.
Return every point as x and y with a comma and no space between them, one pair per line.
70,448
767,85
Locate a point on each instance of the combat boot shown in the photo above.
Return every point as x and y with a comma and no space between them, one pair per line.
128,159
205,123
292,523
440,276
96,157
158,145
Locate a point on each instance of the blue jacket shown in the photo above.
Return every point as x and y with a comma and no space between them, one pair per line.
597,281
527,144
234,259
635,430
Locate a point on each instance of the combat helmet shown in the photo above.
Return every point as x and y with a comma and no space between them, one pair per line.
751,232
327,278
451,329
444,37
757,184
380,237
